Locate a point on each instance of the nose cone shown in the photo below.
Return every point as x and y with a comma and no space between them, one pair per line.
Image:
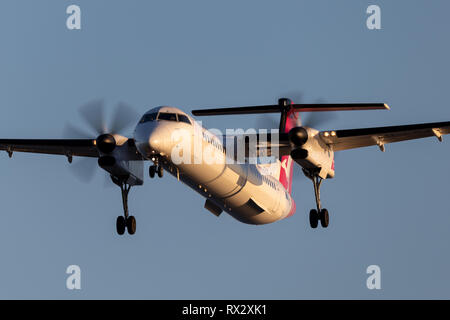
156,140
150,139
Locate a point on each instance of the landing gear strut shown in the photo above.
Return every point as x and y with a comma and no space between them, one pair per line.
319,214
126,221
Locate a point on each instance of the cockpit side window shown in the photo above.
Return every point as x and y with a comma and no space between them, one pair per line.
167,116
148,117
183,118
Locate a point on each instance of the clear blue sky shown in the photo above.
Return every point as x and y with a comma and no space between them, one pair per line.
389,209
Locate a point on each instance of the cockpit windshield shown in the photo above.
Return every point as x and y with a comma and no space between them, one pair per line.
168,116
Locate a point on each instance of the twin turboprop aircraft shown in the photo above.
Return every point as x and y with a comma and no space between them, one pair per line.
252,192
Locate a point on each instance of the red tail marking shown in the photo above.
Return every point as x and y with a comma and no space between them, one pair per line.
286,161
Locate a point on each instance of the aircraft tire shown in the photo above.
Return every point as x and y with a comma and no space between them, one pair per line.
120,225
131,225
152,171
324,218
313,218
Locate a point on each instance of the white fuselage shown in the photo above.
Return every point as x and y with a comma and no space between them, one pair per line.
198,158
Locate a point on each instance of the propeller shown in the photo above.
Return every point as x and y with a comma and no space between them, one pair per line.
267,121
318,119
297,136
94,114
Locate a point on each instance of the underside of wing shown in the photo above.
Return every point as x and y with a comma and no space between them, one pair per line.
358,138
68,147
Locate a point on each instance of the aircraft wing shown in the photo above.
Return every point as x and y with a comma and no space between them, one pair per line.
67,147
358,138
74,147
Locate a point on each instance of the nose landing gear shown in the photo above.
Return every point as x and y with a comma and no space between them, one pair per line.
319,214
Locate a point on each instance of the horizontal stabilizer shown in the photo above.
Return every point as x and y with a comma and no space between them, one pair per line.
303,107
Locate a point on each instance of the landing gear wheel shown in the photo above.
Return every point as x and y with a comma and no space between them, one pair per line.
313,218
324,218
160,171
152,171
120,225
131,225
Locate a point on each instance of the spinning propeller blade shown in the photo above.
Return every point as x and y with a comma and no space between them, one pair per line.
93,113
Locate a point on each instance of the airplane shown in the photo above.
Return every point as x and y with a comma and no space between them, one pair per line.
253,192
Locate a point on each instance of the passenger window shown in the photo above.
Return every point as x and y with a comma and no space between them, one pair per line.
183,118
167,116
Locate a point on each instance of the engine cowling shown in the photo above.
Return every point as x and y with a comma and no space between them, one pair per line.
106,161
299,153
311,152
114,158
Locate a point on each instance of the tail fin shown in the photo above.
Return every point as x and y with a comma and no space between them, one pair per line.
282,169
289,120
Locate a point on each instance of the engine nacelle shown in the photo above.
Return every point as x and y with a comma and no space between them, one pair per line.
121,165
311,152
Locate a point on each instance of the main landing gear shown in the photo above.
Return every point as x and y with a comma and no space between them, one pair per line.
319,214
153,169
126,221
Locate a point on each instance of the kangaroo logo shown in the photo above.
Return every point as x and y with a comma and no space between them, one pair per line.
285,164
